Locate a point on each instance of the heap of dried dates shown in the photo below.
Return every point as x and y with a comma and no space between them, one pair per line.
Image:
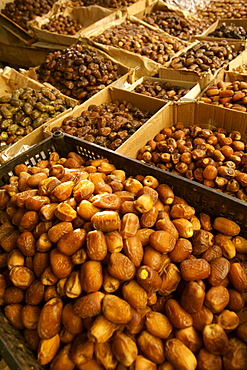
78,71
25,109
161,90
108,124
63,25
142,40
104,271
23,11
216,158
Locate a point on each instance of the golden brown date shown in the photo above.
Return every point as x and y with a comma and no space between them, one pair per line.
61,264
96,246
195,269
47,349
89,305
134,294
158,324
50,318
179,355
91,276
62,359
116,309
215,339
124,349
192,297
179,318
120,266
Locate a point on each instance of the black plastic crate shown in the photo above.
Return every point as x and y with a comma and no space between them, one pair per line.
202,198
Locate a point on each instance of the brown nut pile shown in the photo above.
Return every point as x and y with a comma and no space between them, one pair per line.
64,25
108,124
104,271
23,11
104,3
216,158
78,72
230,31
175,24
161,90
220,9
205,56
140,39
26,109
227,94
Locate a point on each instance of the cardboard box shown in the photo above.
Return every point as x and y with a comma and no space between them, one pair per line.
212,28
11,80
106,96
89,17
189,113
192,94
144,66
159,5
203,78
226,77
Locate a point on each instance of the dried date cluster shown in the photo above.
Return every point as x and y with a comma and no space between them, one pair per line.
108,124
78,72
216,158
220,9
140,39
161,90
104,3
231,95
104,271
205,56
23,11
175,24
64,25
231,31
26,109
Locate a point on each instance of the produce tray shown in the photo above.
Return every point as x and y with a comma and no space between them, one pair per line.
12,345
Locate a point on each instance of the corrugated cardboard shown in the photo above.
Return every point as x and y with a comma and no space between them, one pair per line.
11,80
89,17
203,78
144,66
189,113
107,96
194,88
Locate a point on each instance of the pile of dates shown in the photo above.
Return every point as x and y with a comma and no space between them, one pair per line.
175,24
220,9
215,158
231,95
64,25
140,39
161,90
205,56
108,124
104,271
78,72
23,11
119,4
25,109
231,31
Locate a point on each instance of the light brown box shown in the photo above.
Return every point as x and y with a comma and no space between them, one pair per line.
106,96
192,94
226,77
144,66
89,17
212,28
189,113
11,80
203,78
